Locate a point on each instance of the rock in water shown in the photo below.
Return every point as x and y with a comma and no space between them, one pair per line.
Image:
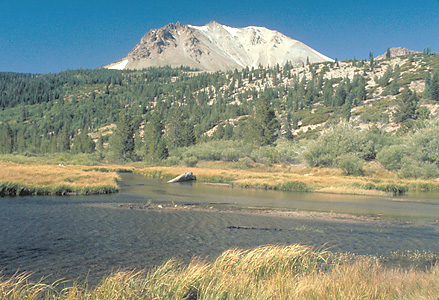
188,176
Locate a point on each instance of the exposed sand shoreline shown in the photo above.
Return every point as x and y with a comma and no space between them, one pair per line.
265,211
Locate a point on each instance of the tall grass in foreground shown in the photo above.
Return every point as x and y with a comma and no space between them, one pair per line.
268,272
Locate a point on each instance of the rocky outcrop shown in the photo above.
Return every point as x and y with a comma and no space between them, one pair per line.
188,176
397,51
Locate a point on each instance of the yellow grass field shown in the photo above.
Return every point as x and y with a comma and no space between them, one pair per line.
32,179
266,272
321,180
38,178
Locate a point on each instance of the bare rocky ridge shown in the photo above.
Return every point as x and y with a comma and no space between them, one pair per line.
397,51
214,47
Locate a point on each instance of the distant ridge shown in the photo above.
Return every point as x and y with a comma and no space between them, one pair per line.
214,47
397,51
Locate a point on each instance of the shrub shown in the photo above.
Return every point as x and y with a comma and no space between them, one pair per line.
424,144
417,169
294,186
350,164
337,141
395,189
172,161
245,163
391,157
190,161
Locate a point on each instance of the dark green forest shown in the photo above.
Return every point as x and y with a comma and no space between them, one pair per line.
259,115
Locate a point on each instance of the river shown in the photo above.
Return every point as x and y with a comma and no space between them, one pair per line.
77,236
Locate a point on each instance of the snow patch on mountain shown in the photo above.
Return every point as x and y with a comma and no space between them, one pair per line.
119,66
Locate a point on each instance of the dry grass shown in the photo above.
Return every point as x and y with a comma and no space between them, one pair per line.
322,180
20,179
268,272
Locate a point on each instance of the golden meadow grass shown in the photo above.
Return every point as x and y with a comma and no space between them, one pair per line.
379,182
301,179
266,272
41,179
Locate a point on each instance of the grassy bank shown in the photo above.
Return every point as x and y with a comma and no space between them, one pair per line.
268,272
41,179
27,175
298,179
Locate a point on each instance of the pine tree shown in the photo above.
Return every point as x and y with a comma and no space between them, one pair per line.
180,130
155,146
228,131
427,85
371,61
6,139
407,106
122,140
100,144
434,87
20,143
388,55
263,127
340,95
64,140
288,132
83,143
347,107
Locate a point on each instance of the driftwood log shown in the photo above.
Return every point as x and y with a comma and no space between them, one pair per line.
188,176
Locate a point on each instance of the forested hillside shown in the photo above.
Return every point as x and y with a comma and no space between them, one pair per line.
341,114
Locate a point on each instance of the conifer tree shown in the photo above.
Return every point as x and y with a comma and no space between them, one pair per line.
83,143
340,95
100,144
122,140
6,139
180,130
371,61
20,143
406,106
288,133
155,146
427,85
388,55
263,127
64,140
434,87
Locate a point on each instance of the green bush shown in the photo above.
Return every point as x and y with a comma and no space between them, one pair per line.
391,157
350,164
424,144
215,150
373,114
172,161
339,140
245,163
417,169
395,189
190,161
294,186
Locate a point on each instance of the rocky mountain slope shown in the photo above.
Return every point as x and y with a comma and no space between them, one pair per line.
214,47
397,51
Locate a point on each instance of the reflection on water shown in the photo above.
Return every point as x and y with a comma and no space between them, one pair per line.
75,236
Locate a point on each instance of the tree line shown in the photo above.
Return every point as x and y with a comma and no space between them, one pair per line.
157,110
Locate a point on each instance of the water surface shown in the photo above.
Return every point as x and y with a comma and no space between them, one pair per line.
82,236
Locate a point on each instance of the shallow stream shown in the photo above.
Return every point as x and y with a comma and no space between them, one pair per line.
78,236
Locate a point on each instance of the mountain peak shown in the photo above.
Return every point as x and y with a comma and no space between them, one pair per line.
397,51
213,22
214,47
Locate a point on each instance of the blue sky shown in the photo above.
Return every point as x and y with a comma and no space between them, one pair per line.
54,35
